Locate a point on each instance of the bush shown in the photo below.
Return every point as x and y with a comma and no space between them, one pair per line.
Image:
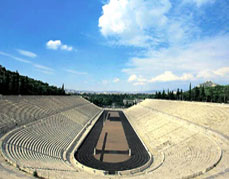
35,174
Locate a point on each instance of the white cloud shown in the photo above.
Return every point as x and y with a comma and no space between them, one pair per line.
57,44
130,21
169,76
164,77
116,80
199,3
178,40
137,80
214,74
205,74
75,72
146,24
132,78
53,44
67,48
44,71
199,59
222,71
27,53
15,58
139,83
41,68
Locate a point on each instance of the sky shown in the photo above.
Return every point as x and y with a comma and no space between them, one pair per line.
117,45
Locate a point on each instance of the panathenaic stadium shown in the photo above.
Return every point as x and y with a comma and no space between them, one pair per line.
69,137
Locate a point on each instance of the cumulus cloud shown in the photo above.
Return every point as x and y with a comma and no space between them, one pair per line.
164,77
199,59
222,71
27,53
175,45
214,74
65,47
53,44
116,80
169,76
132,78
143,23
57,44
137,80
130,20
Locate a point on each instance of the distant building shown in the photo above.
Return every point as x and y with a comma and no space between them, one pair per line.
131,101
207,84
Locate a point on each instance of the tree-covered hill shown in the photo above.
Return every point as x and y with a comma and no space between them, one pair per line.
12,83
218,94
204,93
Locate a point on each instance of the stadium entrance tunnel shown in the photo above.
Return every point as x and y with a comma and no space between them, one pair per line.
112,145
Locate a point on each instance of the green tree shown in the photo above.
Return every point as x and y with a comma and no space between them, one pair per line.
211,95
190,92
2,80
202,94
196,94
14,83
17,83
62,89
159,95
178,94
163,95
171,95
156,95
8,84
181,93
227,94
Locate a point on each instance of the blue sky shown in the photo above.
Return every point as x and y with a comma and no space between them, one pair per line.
126,45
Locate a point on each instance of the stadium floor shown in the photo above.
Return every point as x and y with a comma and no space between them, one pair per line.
85,153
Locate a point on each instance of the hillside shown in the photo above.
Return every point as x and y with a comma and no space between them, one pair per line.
206,92
12,83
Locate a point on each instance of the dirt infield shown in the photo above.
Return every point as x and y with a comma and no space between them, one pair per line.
113,140
113,114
